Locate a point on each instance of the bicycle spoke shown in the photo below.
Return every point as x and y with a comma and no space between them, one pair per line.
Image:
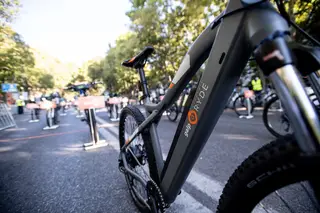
285,202
310,197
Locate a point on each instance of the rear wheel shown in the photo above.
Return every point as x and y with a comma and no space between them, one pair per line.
173,112
130,119
273,179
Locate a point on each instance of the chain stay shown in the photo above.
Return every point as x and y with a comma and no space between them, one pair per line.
162,204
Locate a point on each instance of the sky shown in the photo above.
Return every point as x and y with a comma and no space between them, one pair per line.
72,30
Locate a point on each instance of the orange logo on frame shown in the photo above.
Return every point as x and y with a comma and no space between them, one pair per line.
192,117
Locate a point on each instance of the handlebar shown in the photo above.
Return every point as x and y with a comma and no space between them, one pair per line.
84,86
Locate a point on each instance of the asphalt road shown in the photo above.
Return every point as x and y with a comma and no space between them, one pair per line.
231,142
48,171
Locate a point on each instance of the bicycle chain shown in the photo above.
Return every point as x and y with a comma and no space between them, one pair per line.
162,205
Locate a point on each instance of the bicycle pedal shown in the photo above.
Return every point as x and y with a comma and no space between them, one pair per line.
83,119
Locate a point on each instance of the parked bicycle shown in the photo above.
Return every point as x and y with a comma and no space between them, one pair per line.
176,108
226,44
275,118
82,88
240,104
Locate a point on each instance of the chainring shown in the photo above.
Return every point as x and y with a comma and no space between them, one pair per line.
155,198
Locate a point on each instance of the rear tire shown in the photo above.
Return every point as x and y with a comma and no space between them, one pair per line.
137,118
280,163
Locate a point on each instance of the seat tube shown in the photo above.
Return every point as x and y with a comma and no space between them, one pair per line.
144,83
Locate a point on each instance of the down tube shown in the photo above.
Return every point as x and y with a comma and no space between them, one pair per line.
227,59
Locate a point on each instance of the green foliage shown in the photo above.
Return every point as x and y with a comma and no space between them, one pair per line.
170,26
8,9
305,13
27,67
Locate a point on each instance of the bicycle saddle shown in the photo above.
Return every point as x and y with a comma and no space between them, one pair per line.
138,61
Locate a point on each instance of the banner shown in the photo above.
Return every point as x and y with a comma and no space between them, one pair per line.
47,105
93,102
114,100
32,106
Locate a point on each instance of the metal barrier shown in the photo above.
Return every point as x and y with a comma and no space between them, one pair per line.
6,119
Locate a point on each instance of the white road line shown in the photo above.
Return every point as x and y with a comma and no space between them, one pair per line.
184,202
205,184
202,182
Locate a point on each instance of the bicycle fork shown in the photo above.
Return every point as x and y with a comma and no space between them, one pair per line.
275,59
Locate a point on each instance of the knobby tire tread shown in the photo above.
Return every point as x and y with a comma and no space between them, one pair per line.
281,153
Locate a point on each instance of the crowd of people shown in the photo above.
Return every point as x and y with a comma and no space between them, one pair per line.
42,99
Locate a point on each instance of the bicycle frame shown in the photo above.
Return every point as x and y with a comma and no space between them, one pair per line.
227,45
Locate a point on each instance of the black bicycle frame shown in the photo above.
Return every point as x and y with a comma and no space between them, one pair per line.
227,45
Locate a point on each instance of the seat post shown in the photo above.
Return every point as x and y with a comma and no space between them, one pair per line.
144,83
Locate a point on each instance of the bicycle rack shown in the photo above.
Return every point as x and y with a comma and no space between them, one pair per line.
90,103
96,142
49,106
114,114
33,107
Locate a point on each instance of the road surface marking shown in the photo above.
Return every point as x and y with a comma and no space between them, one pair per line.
202,182
184,202
43,136
198,180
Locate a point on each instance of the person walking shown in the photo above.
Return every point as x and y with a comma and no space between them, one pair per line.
35,111
38,101
56,99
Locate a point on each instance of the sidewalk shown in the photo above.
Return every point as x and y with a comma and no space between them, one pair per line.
48,171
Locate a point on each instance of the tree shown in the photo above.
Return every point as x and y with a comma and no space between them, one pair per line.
171,26
16,58
95,70
8,9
